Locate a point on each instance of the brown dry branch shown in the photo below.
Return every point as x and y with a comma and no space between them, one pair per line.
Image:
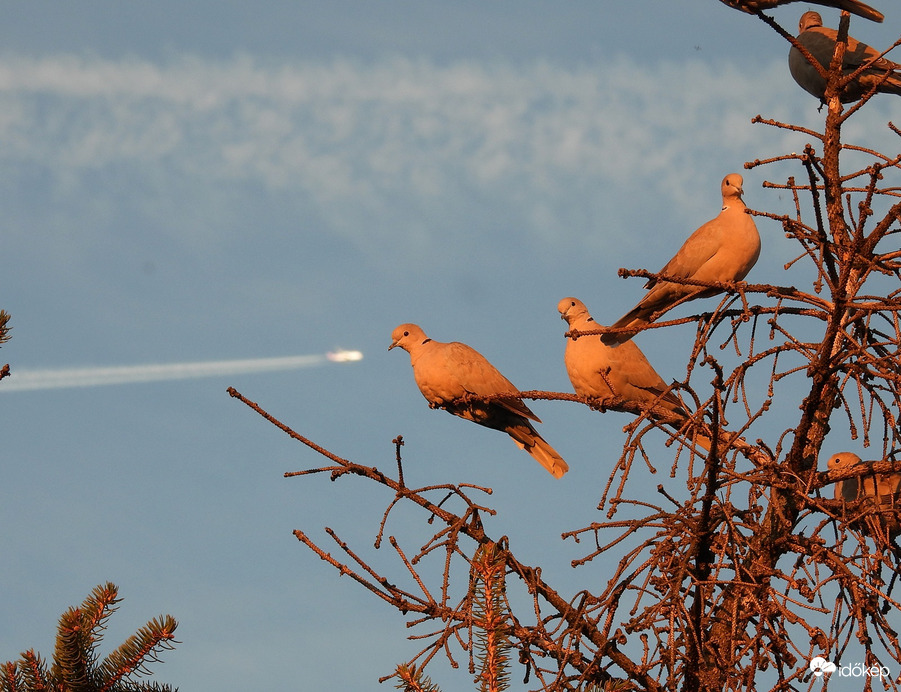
452,618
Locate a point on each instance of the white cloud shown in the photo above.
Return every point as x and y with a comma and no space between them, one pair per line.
400,140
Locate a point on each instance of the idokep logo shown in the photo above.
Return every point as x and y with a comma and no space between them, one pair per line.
819,666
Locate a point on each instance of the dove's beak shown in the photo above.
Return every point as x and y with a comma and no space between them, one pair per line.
393,344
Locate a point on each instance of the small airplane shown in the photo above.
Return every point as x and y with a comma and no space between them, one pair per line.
344,356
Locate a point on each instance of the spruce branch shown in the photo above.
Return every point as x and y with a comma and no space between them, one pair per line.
75,659
490,618
412,679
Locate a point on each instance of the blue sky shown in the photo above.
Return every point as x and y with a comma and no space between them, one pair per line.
207,181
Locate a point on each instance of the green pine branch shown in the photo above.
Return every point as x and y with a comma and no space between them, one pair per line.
412,679
611,685
73,652
491,618
139,650
4,337
490,622
75,658
4,327
34,672
11,678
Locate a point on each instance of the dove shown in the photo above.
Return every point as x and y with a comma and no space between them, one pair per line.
599,371
446,372
852,6
882,76
723,249
883,489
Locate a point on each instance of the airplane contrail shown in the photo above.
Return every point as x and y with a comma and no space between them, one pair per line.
21,380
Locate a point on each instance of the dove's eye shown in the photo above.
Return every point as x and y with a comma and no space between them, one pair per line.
406,333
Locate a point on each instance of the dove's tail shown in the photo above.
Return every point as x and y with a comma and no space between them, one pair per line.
702,441
547,456
696,439
661,297
637,317
527,438
693,434
892,85
860,9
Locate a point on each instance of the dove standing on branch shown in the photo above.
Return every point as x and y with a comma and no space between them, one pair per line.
446,372
883,489
598,371
852,6
883,76
723,249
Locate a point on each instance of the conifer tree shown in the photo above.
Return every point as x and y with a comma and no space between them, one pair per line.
76,666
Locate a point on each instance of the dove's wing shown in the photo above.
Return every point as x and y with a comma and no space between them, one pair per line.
635,376
460,368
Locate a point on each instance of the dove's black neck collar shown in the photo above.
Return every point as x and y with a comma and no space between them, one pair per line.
427,340
739,201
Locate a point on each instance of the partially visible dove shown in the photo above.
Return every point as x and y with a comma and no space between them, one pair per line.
882,489
446,372
883,75
852,6
723,249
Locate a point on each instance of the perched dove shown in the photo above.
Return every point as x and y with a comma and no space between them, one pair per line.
446,372
852,6
723,249
884,489
883,75
600,371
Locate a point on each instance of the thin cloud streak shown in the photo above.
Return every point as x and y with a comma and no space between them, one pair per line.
25,380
